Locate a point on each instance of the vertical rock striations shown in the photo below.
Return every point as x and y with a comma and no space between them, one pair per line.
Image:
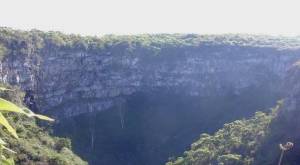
78,78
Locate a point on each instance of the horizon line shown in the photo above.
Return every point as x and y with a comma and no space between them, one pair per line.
153,33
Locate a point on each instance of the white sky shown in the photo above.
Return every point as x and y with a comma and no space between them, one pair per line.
98,17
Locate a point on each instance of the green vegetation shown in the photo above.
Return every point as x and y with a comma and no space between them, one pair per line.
235,144
32,144
3,51
28,42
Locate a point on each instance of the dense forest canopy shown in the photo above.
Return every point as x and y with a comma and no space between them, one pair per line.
237,143
38,39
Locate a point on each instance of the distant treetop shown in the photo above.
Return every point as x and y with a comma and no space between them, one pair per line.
38,39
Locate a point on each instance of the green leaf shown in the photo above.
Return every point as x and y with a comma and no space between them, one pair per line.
8,149
29,113
9,161
42,117
2,142
9,106
9,128
5,89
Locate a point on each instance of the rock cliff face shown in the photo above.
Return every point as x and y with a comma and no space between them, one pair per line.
92,82
157,88
292,89
89,82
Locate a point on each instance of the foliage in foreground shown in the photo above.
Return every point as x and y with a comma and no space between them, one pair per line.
34,145
235,144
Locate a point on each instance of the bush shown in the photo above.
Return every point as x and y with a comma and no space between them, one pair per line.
63,143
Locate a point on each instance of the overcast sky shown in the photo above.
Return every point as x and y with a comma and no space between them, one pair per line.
98,17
